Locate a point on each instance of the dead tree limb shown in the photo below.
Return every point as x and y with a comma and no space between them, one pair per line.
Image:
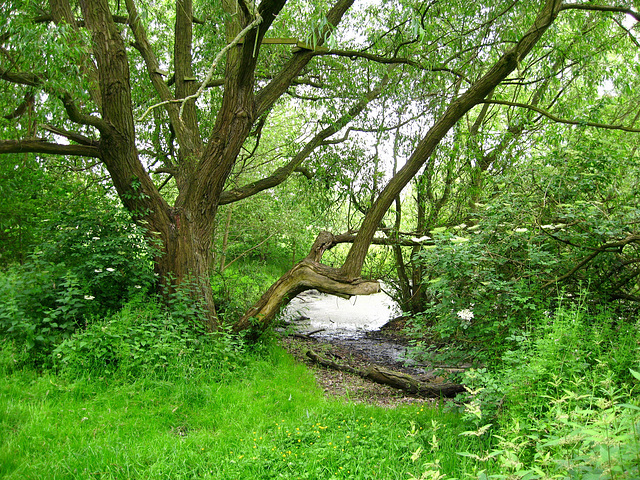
392,378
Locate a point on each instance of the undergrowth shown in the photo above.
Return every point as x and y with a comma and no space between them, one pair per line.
146,394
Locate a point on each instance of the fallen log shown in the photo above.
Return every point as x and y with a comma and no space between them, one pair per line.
399,380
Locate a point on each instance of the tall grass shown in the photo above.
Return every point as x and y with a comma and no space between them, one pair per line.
268,420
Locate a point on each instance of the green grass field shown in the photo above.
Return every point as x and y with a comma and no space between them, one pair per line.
267,420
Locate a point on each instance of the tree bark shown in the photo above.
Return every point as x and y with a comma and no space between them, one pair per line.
307,274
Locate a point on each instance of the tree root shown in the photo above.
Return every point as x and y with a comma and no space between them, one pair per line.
399,380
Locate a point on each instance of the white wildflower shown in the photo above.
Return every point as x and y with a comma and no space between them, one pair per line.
459,240
111,269
98,270
466,316
421,239
521,230
89,297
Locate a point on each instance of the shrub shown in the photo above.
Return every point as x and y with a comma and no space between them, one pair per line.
40,305
105,251
91,263
146,339
482,290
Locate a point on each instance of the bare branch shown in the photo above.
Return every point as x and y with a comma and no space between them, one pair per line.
385,60
207,79
601,8
76,137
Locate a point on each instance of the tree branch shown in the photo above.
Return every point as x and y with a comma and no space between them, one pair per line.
385,60
257,21
45,147
22,108
75,115
474,95
282,173
21,78
563,120
606,247
283,80
601,8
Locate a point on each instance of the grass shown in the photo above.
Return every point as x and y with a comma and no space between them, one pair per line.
267,421
562,405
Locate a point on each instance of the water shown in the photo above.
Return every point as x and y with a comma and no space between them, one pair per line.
350,323
334,317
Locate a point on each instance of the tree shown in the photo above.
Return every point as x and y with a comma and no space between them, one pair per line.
92,96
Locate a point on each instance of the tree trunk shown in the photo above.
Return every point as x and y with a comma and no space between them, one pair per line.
307,274
184,263
395,379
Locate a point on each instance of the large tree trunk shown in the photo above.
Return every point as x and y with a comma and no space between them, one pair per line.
184,262
307,274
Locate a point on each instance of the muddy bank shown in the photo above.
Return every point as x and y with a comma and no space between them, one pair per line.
349,387
357,333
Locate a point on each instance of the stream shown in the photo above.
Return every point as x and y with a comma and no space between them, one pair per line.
354,323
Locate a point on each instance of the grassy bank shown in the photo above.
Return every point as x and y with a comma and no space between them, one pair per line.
267,420
142,395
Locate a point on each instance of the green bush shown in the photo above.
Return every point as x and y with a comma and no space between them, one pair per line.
105,251
570,344
91,263
483,289
147,339
40,305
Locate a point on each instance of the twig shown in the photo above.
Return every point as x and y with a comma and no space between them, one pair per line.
246,251
235,41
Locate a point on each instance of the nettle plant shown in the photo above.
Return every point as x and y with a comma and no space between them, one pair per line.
565,403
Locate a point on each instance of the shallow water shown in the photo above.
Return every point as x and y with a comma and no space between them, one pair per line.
351,323
335,317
